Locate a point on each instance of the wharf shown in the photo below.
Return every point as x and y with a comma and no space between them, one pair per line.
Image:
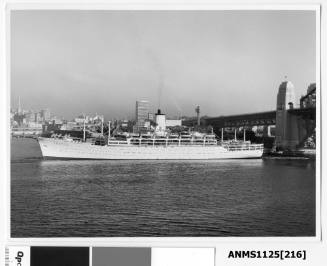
289,155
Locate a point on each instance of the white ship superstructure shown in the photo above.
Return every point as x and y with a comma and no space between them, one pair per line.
157,145
149,148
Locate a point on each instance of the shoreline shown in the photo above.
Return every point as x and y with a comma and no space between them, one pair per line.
303,154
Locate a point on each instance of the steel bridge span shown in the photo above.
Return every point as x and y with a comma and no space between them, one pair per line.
248,120
243,120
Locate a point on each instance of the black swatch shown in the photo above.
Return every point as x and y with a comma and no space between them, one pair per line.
59,256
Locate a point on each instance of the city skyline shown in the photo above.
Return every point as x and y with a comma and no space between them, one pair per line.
149,113
76,62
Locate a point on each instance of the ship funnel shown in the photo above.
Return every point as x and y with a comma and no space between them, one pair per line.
160,121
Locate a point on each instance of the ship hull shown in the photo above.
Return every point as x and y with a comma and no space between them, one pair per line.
61,149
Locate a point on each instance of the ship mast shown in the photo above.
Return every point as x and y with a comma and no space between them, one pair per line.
84,129
102,125
108,131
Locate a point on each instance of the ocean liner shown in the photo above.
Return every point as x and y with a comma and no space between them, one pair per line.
158,145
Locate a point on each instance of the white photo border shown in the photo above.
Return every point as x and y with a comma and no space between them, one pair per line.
158,241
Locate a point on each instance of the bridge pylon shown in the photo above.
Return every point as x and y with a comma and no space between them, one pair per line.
293,126
286,124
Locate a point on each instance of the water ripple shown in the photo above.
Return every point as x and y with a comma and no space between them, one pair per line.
161,198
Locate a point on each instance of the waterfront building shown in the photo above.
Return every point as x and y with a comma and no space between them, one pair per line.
124,123
30,117
46,115
151,116
173,122
34,125
38,117
141,114
81,118
70,125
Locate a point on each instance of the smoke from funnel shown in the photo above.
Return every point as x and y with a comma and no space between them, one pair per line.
157,66
174,101
160,87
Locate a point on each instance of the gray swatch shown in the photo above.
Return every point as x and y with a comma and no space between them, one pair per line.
121,256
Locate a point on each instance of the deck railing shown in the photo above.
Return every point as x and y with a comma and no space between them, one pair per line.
165,142
246,147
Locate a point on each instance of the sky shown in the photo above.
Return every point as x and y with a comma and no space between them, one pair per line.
227,62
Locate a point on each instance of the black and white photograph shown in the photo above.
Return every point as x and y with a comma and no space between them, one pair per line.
164,123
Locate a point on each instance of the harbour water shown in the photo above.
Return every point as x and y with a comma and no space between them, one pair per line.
81,198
